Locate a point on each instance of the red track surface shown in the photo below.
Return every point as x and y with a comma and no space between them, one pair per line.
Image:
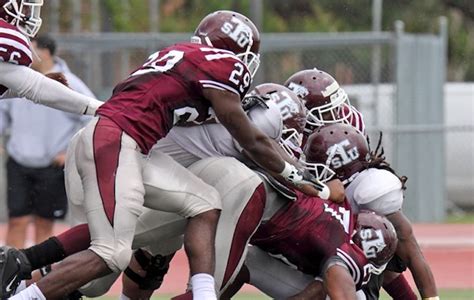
449,248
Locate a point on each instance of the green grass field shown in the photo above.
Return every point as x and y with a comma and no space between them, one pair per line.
463,218
444,294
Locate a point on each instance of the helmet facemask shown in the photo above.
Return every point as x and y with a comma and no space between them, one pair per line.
331,112
291,141
26,16
250,59
321,171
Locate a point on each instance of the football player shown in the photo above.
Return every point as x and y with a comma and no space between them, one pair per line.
372,184
188,145
328,103
216,57
325,100
19,20
293,114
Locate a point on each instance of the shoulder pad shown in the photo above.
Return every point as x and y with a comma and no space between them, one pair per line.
374,183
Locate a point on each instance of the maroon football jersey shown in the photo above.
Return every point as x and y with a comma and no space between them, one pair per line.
14,48
308,232
168,90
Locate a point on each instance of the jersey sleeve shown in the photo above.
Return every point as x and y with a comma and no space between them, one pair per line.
34,86
355,263
222,70
14,46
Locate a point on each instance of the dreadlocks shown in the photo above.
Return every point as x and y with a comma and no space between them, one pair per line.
377,160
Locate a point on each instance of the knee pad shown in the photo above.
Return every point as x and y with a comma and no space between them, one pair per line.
116,257
156,268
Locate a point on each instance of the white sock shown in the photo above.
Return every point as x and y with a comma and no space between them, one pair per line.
203,287
31,292
123,297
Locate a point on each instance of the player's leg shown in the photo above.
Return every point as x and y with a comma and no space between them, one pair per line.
179,191
396,285
273,277
243,203
146,271
160,233
18,203
110,165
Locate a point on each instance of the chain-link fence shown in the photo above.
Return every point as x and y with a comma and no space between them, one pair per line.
366,64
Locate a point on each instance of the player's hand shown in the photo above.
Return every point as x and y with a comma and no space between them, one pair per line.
336,187
305,181
59,77
250,101
59,160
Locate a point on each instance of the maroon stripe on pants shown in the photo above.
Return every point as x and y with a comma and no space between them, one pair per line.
75,239
107,141
246,225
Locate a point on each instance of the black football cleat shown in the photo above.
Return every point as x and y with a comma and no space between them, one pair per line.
14,267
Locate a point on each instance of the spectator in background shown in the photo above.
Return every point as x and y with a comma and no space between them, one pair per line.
39,136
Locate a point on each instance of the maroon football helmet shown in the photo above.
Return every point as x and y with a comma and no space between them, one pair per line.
323,96
376,236
24,14
231,31
293,114
340,147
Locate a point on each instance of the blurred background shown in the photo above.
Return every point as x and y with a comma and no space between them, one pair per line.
405,64
408,66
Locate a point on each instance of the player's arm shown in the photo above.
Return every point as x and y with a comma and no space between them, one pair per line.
409,251
259,147
339,284
25,82
338,193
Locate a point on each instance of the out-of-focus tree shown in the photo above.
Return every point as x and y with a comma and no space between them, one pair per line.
296,16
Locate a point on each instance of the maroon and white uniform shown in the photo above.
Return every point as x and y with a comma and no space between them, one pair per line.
14,46
168,91
18,80
310,235
112,151
161,232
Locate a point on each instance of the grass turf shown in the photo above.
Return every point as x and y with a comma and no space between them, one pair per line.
444,294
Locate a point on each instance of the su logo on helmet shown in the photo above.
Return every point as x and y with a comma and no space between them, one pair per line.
237,31
372,245
338,156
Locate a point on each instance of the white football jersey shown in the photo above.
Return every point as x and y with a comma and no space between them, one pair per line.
377,190
210,140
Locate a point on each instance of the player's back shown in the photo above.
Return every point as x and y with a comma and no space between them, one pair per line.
306,231
14,48
168,90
